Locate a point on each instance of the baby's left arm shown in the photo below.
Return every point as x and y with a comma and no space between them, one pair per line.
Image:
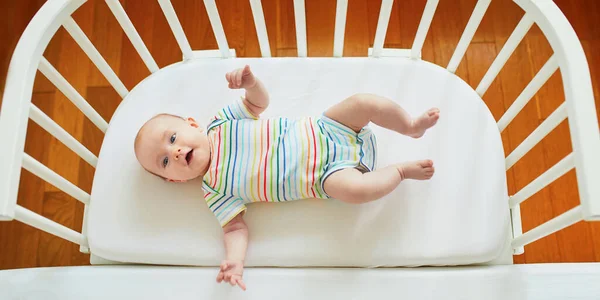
257,97
236,243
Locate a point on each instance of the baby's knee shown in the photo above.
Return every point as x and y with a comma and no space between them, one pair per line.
363,101
361,98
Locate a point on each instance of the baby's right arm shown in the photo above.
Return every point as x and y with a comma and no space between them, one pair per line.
257,97
236,243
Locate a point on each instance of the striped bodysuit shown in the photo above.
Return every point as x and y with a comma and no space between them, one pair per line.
277,159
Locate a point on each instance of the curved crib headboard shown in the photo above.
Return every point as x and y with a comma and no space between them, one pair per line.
568,56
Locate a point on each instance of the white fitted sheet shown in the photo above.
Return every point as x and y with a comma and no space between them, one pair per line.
458,217
515,282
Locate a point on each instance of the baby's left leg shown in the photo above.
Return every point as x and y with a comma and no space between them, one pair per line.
358,110
352,186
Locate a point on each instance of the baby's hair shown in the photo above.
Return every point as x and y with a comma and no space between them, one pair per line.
136,144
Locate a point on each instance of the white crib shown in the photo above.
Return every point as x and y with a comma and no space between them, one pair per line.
128,221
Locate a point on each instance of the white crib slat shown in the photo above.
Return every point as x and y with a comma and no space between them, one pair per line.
182,41
340,27
261,27
86,45
467,36
517,228
382,25
565,220
537,135
39,117
32,219
533,87
68,90
84,248
119,13
558,170
300,17
217,27
426,19
45,173
511,44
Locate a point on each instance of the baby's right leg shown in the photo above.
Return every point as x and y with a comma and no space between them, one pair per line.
352,186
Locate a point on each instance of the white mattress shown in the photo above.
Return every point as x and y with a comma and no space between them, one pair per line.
516,282
458,217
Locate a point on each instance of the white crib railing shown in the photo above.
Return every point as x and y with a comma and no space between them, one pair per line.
568,57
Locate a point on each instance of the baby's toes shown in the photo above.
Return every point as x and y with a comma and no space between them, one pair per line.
426,163
433,111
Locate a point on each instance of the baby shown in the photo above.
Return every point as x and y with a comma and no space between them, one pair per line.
244,159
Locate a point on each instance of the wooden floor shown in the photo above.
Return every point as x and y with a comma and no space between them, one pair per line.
22,246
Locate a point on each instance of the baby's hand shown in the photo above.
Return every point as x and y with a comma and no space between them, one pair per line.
241,78
232,271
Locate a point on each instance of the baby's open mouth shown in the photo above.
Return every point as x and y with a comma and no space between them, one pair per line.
189,156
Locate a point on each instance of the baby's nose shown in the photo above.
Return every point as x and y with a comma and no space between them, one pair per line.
176,153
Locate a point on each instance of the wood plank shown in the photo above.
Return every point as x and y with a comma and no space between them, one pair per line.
162,34
8,37
132,68
513,78
320,21
392,37
73,64
409,18
291,52
446,28
281,29
231,12
107,36
194,20
485,32
15,17
356,37
583,16
52,54
272,12
19,242
52,250
404,21
574,243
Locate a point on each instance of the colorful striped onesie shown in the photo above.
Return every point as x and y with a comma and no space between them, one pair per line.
277,159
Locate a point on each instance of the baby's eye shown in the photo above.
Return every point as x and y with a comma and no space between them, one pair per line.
173,137
165,162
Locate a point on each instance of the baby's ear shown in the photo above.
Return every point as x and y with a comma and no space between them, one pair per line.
192,122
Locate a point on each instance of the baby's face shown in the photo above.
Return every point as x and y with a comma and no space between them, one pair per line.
173,148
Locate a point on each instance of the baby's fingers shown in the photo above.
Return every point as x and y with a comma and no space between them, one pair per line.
246,70
241,284
237,280
220,277
238,77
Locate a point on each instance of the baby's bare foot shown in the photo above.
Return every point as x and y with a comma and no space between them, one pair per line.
419,170
424,122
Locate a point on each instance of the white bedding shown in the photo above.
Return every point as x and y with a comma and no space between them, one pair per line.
458,217
515,282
